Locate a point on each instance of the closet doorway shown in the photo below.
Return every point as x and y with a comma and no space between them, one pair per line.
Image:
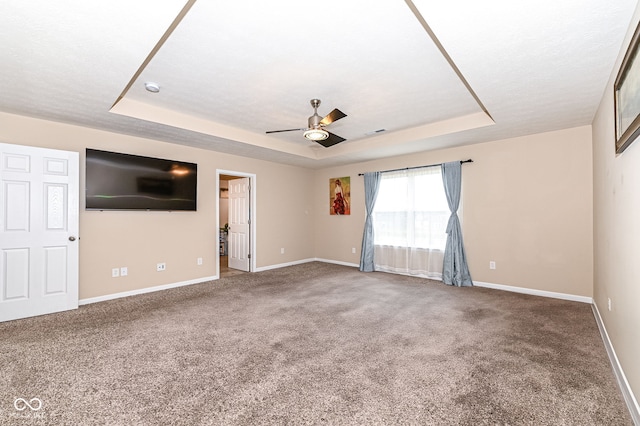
236,222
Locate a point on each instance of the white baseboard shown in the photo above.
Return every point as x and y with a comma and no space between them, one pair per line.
627,393
198,281
282,265
143,290
337,262
313,259
534,292
553,295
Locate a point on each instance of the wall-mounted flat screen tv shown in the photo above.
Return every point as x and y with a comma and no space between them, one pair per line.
116,181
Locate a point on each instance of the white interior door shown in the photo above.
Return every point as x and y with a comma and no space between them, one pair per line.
39,193
239,223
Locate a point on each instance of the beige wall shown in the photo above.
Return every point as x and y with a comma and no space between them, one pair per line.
617,234
139,240
527,205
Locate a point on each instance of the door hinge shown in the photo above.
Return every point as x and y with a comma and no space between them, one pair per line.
249,256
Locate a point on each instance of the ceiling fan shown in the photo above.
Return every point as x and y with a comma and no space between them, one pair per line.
315,131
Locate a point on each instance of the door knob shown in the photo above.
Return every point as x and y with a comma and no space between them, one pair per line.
72,238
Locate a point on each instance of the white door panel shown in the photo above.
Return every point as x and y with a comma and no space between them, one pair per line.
239,214
16,274
39,201
55,271
16,217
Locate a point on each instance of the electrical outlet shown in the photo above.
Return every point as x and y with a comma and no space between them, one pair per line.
492,264
353,250
199,261
161,267
609,303
124,271
282,250
115,272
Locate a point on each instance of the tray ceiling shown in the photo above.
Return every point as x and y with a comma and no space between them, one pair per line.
430,74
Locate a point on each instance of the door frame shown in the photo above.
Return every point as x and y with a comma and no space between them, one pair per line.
252,215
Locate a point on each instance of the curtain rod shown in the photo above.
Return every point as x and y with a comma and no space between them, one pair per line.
419,167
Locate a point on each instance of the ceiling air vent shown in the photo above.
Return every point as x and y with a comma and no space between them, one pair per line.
375,131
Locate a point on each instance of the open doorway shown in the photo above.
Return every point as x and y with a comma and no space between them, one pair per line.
236,221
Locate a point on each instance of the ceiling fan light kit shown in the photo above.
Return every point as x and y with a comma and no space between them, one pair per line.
316,134
314,131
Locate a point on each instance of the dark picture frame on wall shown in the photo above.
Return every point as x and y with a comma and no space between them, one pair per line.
627,97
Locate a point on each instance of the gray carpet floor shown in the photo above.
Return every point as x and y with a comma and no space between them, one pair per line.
312,344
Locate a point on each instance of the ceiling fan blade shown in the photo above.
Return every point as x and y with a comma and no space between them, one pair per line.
334,115
288,130
331,140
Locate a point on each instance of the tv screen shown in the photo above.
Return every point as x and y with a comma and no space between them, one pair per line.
116,181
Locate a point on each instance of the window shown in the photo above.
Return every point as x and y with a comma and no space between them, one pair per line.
410,219
411,210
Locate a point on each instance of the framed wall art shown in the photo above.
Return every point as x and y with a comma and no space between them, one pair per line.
340,196
627,97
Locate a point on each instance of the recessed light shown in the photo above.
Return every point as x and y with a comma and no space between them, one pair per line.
152,87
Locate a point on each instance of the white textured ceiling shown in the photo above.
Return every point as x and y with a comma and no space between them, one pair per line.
231,70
